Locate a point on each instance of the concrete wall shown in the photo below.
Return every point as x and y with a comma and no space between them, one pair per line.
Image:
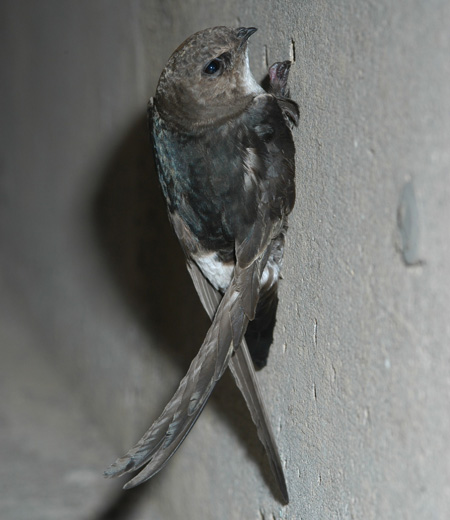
93,287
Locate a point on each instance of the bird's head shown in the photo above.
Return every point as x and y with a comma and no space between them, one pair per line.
207,79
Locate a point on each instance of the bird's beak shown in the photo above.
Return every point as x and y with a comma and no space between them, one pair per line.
244,33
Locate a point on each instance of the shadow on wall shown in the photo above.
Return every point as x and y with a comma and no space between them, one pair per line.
146,262
141,250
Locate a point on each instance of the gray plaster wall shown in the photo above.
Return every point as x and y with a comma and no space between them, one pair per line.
98,318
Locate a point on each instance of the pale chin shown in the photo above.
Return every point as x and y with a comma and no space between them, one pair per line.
248,81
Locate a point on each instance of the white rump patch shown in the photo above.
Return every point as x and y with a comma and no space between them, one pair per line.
216,272
271,271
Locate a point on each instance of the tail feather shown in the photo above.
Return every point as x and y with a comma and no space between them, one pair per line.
242,369
168,432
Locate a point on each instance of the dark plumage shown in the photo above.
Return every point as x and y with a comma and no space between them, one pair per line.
225,159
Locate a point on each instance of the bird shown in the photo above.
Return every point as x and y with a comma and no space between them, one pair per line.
225,158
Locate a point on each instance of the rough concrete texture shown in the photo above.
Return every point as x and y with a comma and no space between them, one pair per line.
100,320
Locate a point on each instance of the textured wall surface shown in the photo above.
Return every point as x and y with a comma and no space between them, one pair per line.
99,320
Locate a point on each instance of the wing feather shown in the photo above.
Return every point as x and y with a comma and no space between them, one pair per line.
167,433
241,367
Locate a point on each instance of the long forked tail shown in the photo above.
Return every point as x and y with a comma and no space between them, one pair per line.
160,442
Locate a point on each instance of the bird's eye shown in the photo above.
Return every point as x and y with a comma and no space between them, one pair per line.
213,67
